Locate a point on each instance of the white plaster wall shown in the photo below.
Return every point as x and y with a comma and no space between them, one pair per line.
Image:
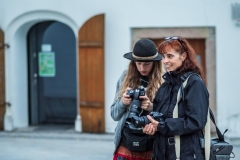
18,79
121,16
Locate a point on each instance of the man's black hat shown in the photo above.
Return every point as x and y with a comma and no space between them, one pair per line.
144,50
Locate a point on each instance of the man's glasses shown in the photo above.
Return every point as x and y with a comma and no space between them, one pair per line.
176,38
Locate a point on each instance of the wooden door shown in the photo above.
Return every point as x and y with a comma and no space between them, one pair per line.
91,75
2,80
199,47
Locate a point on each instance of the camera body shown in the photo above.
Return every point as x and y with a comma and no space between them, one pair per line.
134,119
140,122
135,105
136,93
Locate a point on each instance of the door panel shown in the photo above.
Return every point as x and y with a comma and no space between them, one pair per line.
90,68
53,98
2,80
91,75
199,47
34,36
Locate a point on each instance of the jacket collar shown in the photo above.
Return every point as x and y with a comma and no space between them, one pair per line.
172,77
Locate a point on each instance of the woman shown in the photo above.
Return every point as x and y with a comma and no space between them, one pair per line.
144,72
179,60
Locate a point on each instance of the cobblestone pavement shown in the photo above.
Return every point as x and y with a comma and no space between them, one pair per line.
61,143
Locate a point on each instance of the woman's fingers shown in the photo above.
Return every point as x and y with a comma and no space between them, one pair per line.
145,129
153,122
149,129
152,130
146,103
126,98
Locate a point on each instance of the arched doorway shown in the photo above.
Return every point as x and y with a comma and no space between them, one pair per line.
91,75
52,73
2,80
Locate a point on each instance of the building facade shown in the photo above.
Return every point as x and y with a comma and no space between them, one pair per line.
60,60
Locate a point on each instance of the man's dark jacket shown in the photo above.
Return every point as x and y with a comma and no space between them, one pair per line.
192,117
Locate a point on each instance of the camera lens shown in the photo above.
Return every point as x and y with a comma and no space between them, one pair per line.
135,109
140,121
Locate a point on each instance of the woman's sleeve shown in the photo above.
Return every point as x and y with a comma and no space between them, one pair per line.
117,107
196,108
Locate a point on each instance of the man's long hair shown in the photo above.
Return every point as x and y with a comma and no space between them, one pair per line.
132,79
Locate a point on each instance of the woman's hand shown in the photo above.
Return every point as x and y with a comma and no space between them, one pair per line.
151,128
126,98
146,103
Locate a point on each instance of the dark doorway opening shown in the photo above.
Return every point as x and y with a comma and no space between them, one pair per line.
52,74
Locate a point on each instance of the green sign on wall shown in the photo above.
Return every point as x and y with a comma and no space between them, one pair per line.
46,61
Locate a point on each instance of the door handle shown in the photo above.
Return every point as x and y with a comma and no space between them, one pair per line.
8,104
35,78
5,103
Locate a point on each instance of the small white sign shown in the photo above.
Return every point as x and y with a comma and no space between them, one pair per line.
46,47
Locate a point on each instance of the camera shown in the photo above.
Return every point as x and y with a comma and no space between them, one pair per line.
135,105
142,121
